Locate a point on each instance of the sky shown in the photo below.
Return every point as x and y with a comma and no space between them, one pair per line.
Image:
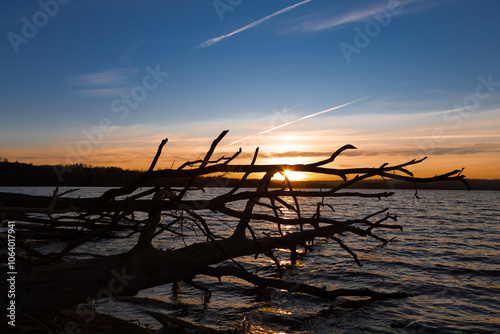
103,82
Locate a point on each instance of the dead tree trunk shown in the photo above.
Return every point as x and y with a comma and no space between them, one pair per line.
47,283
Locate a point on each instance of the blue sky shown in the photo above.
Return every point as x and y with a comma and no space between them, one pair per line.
78,82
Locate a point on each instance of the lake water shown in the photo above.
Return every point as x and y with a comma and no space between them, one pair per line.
448,256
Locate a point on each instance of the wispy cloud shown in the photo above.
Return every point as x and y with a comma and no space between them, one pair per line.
212,41
108,82
114,76
325,21
101,92
464,149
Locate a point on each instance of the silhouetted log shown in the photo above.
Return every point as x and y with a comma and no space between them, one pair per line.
62,234
148,231
59,285
48,285
20,203
69,321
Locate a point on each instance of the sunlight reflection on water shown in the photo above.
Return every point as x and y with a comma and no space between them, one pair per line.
448,255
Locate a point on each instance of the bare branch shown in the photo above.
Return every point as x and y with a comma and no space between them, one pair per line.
298,287
51,284
157,156
334,156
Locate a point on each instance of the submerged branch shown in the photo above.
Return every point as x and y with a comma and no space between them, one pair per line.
298,287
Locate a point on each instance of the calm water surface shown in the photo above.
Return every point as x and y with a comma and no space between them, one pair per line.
448,256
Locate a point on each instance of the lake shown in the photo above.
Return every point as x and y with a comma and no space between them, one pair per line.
448,257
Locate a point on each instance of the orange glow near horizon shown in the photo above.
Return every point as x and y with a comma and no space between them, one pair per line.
477,166
291,175
138,156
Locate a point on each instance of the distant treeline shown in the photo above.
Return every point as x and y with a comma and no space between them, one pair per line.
476,184
23,174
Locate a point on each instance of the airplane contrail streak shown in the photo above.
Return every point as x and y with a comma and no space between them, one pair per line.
212,41
302,118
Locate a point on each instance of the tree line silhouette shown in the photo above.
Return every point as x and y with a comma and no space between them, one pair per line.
83,175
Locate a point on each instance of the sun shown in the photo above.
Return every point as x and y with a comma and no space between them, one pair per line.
291,175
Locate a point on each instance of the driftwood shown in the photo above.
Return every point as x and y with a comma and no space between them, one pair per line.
49,282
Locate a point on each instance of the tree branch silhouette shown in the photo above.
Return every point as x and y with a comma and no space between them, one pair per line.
52,282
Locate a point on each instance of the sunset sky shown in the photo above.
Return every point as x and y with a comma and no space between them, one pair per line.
103,82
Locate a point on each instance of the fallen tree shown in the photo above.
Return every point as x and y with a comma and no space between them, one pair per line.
51,281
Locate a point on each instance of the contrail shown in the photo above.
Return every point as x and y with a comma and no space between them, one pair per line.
302,118
212,41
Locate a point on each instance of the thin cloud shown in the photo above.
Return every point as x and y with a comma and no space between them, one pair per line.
297,154
322,22
468,149
107,77
442,92
100,92
212,41
359,15
106,83
476,148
